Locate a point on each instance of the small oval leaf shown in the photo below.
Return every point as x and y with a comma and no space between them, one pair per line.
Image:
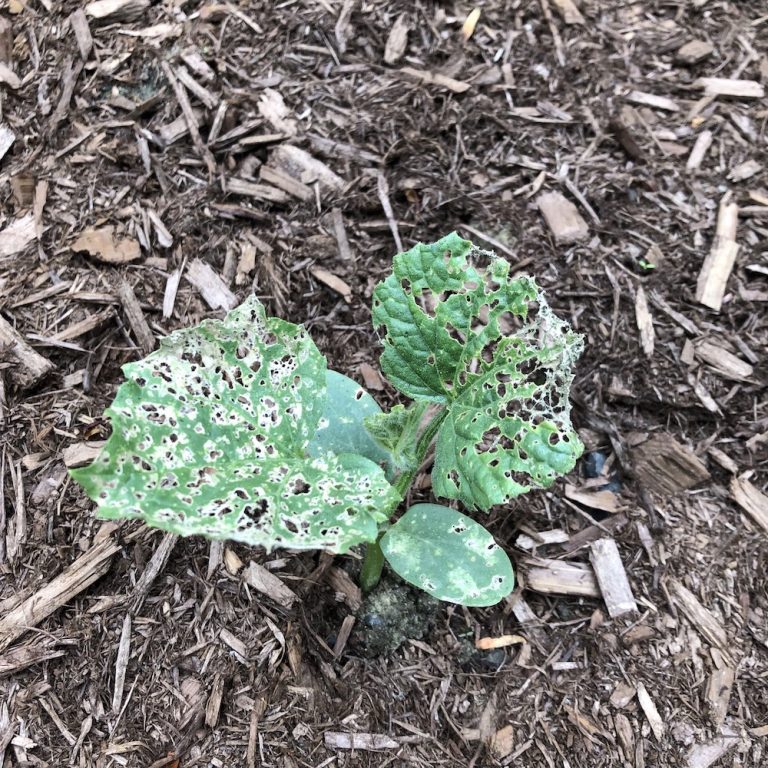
449,556
341,428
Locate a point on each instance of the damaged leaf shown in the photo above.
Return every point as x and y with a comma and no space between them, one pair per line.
210,437
487,347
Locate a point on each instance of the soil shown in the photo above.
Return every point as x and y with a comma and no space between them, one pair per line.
166,655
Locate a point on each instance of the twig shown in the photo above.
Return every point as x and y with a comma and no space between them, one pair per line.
189,117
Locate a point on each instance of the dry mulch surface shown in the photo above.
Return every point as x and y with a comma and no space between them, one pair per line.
162,161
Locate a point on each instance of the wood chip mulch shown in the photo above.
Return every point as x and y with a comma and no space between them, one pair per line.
161,161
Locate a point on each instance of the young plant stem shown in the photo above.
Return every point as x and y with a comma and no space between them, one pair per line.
422,446
373,563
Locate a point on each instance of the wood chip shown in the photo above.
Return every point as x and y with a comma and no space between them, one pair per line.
701,618
397,40
104,246
622,694
644,322
718,693
6,40
650,711
164,237
70,582
302,166
725,461
195,61
722,86
17,235
653,101
265,192
27,366
110,11
121,664
626,736
210,100
694,51
331,148
213,706
171,289
16,659
624,135
86,325
343,635
341,582
136,320
212,288
71,71
78,21
273,109
178,128
666,466
559,577
700,147
563,218
333,282
707,754
340,232
7,137
365,741
264,581
371,377
503,641
503,742
744,171
246,264
343,23
612,578
605,501
569,11
236,644
435,78
9,77
751,500
541,538
723,362
80,454
280,179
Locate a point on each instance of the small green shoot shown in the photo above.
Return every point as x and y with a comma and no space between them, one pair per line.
236,429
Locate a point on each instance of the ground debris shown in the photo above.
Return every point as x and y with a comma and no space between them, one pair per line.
667,466
562,217
365,741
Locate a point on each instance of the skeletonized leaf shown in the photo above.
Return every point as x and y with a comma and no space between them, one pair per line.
488,347
209,437
448,555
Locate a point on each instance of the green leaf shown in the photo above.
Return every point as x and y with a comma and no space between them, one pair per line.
341,428
448,555
209,437
397,433
488,347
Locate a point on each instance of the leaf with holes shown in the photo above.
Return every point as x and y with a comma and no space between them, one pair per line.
210,436
397,433
448,555
341,428
487,347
